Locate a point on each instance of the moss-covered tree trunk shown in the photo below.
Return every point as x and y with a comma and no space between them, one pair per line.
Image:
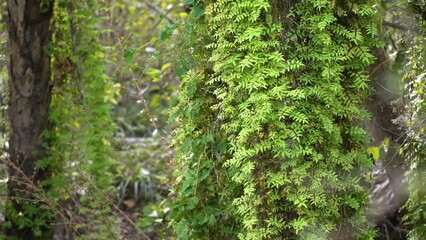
271,143
29,36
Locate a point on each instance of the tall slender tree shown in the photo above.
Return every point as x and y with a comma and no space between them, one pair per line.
30,94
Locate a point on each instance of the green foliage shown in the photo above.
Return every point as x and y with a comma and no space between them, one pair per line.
80,152
31,216
415,148
270,139
82,95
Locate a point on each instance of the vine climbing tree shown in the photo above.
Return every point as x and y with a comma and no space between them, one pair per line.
81,106
281,87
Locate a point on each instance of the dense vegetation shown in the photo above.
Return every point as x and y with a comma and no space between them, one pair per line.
202,119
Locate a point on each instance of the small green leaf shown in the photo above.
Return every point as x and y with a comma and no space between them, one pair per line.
165,67
190,88
44,7
375,152
198,11
129,54
180,71
167,31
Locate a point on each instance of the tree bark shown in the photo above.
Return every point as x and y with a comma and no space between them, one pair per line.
30,93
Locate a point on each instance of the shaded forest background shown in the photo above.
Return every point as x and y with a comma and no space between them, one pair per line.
121,71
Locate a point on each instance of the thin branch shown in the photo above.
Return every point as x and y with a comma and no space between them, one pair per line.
159,11
395,25
109,201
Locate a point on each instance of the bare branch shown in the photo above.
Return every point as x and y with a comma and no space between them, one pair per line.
395,25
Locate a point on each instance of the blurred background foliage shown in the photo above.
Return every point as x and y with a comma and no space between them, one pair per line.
140,62
145,76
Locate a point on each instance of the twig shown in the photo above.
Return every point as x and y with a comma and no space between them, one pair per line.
395,25
118,209
155,8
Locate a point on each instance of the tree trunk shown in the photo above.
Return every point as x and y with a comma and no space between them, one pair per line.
30,89
388,190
